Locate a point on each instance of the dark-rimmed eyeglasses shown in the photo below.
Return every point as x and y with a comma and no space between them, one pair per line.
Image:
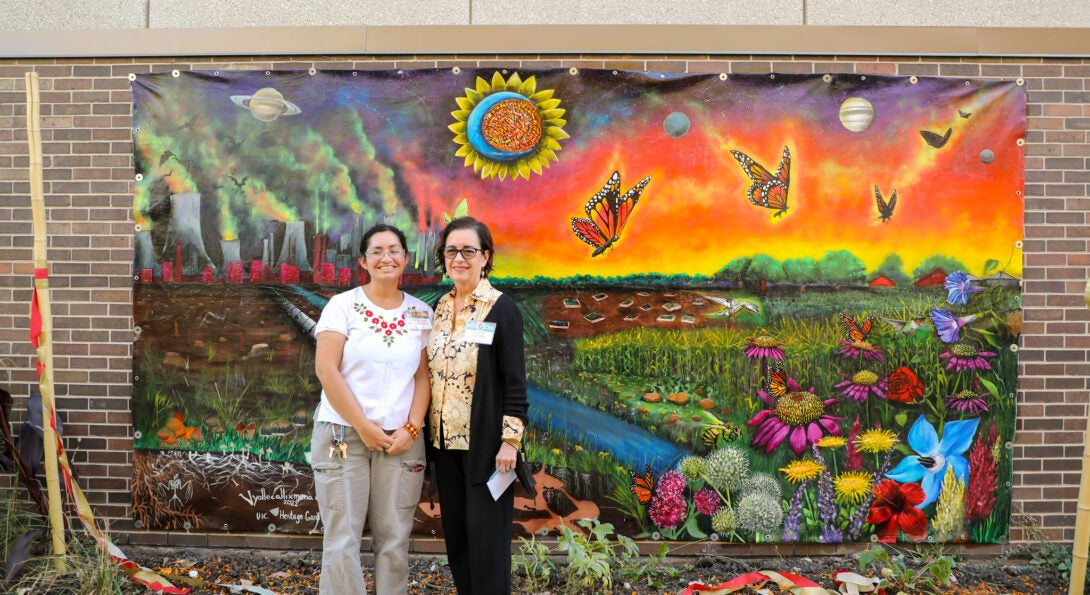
467,253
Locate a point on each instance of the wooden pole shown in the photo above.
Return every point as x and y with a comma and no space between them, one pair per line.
1082,514
45,345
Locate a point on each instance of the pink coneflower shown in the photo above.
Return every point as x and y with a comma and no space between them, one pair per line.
862,384
707,502
668,508
797,416
764,347
963,357
967,401
860,349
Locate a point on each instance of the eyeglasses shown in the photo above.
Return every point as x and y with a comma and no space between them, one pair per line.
467,253
393,253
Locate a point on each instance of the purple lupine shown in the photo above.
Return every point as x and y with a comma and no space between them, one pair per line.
794,515
827,503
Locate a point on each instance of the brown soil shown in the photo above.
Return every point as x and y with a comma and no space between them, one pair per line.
288,573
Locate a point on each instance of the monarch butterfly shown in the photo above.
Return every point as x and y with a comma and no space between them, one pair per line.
856,332
885,208
728,432
608,212
768,191
643,485
776,384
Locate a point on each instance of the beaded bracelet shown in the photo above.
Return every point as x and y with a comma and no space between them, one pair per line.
411,429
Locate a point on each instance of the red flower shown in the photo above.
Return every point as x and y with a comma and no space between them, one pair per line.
389,332
384,325
904,386
368,313
401,323
374,321
894,509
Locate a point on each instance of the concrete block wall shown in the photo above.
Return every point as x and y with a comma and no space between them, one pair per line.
20,15
86,120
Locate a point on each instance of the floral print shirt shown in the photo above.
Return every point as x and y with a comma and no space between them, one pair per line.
452,363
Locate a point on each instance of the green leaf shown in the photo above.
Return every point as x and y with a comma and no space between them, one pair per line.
901,418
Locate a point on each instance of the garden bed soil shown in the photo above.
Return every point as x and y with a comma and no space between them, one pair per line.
296,573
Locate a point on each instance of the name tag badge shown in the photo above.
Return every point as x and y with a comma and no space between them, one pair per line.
480,332
417,320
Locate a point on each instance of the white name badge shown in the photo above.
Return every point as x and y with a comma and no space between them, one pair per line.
480,332
417,320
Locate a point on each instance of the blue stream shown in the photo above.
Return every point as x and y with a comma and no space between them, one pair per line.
594,430
597,431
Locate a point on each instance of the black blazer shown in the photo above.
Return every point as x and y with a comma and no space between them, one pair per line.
499,388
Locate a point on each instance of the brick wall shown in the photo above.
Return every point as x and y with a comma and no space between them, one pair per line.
86,107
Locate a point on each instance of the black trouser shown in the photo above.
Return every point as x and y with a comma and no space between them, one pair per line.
476,528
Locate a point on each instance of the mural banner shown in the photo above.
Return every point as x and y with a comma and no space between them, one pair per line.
759,308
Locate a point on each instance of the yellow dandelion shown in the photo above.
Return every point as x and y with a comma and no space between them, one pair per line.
603,454
876,441
578,448
852,486
831,442
801,470
556,451
507,127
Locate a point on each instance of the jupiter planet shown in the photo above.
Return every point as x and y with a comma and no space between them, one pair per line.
856,114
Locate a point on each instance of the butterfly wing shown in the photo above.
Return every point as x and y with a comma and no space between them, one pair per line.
597,228
586,230
776,384
767,190
643,485
624,205
783,173
934,139
852,332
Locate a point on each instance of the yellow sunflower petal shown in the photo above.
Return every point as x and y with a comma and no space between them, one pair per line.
465,104
469,159
473,96
526,89
523,168
549,114
514,82
550,143
545,155
541,96
498,84
534,164
463,151
461,138
548,104
558,122
457,128
478,162
556,132
483,87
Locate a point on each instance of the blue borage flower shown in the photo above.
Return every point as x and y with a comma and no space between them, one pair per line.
934,455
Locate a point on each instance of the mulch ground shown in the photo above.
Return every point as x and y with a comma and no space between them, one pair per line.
296,573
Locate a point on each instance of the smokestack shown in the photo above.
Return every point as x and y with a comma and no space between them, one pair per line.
145,253
295,245
185,227
232,261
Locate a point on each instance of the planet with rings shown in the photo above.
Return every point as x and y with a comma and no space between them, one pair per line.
266,104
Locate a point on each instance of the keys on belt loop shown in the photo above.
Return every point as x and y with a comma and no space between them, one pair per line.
337,446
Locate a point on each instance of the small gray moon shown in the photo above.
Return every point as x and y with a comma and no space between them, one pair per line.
676,124
856,114
987,156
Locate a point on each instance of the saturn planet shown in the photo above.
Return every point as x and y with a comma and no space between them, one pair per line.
856,114
266,104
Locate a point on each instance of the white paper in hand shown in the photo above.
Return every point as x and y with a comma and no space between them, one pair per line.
497,484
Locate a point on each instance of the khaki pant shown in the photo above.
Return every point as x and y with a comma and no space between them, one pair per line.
364,486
